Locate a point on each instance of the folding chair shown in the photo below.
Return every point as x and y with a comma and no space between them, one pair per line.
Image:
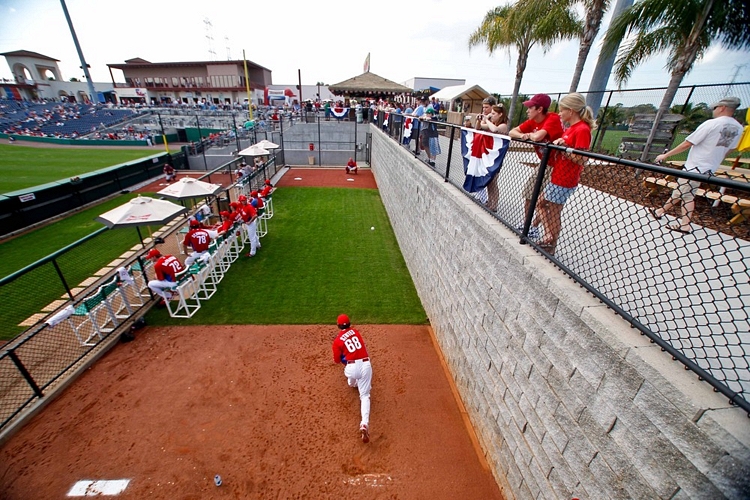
262,225
236,243
187,302
216,262
131,293
91,309
268,201
201,271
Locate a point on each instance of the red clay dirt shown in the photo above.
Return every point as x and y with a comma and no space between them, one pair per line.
328,177
266,408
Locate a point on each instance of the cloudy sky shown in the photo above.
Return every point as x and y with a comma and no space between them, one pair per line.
327,40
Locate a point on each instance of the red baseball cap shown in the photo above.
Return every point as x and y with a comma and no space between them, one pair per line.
224,213
234,204
242,198
153,253
542,100
254,194
194,223
267,182
343,319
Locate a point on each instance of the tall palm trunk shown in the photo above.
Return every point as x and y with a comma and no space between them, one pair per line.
687,57
593,22
523,57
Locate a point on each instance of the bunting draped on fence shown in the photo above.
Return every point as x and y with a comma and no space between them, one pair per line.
407,127
483,155
339,112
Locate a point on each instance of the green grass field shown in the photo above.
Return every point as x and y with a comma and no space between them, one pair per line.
31,292
23,167
319,259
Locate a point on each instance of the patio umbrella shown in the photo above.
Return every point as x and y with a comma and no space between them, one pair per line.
188,187
254,150
141,211
266,144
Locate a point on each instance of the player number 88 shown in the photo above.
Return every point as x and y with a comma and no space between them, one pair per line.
352,344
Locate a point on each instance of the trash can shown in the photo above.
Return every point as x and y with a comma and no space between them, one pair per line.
311,160
223,204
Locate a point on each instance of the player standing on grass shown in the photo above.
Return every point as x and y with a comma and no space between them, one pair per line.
349,349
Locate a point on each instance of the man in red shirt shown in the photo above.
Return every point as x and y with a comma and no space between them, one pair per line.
349,349
198,238
267,189
166,268
351,166
256,201
250,220
541,126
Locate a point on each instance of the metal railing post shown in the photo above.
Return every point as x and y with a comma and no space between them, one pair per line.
450,154
535,194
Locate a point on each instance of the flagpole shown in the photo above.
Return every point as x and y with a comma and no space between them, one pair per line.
247,87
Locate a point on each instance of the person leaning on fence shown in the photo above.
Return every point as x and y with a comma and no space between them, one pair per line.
497,123
166,268
429,138
708,145
567,169
541,126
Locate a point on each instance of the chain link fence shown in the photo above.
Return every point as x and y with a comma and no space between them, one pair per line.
689,293
59,311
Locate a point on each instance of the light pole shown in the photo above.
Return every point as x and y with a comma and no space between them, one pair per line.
163,135
200,141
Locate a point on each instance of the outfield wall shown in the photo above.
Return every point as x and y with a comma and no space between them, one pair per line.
566,399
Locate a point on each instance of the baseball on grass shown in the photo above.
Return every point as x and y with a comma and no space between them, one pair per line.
372,228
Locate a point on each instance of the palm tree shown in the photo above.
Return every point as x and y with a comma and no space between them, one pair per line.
595,10
523,25
683,28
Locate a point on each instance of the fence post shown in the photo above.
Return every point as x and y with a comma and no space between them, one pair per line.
320,143
450,154
604,113
535,194
25,373
62,279
687,101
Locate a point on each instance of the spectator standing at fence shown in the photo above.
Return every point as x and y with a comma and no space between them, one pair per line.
429,139
541,126
497,123
198,238
327,110
567,169
708,145
169,174
166,268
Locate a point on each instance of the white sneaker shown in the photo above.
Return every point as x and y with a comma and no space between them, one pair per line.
365,432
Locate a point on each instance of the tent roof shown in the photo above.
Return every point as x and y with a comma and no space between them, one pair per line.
473,92
368,82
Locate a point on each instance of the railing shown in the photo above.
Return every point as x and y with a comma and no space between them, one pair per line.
68,312
689,293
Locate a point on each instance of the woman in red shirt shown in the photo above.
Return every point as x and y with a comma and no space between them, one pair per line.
567,167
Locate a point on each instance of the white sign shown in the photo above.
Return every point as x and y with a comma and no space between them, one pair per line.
27,197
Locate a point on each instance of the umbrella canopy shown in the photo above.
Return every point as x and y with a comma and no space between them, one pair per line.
266,144
369,85
254,150
190,188
141,211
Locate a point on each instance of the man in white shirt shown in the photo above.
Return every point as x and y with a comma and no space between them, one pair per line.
709,145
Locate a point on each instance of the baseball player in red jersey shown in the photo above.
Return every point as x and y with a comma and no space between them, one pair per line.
250,219
267,189
349,349
166,268
198,238
351,166
257,202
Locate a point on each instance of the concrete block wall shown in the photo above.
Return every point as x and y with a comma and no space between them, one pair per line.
566,399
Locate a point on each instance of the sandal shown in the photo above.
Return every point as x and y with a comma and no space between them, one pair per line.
678,229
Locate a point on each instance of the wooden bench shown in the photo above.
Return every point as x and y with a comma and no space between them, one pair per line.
740,207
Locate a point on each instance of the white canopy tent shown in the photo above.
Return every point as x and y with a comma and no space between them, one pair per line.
461,100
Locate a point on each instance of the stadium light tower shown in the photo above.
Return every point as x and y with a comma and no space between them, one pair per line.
84,66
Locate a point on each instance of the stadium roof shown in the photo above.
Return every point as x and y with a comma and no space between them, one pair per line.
28,53
368,84
138,62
